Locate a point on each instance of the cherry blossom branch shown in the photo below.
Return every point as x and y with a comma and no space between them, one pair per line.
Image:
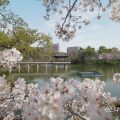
70,23
69,11
74,113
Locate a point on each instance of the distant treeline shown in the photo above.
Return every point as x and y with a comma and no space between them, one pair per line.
89,55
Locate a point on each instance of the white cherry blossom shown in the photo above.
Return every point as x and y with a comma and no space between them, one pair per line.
115,12
9,58
85,99
116,78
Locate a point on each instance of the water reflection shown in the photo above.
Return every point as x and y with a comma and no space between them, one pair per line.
42,77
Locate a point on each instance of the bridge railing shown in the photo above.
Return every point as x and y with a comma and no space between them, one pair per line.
39,62
28,63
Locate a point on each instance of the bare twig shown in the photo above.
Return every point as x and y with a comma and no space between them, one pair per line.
69,11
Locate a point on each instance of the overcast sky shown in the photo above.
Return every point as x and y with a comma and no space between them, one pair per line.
99,32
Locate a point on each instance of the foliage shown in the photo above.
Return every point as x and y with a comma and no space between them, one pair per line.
114,50
7,18
23,39
14,32
103,49
90,55
82,55
4,40
111,62
89,51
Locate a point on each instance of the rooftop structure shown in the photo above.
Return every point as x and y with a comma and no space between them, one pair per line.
55,47
61,57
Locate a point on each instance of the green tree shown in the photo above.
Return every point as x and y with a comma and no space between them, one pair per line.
23,39
4,41
8,18
26,37
89,51
114,50
81,54
14,32
102,49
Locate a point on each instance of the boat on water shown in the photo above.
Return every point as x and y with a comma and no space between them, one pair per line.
90,74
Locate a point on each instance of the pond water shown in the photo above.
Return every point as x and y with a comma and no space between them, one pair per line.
42,77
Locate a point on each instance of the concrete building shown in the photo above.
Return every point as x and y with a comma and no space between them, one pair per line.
55,47
73,52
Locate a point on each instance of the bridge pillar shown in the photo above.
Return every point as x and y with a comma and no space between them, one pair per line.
37,67
56,67
46,66
66,67
19,68
28,67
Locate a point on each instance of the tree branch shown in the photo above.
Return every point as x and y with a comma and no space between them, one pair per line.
69,11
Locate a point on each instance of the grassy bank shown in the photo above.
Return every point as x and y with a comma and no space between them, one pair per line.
113,62
97,62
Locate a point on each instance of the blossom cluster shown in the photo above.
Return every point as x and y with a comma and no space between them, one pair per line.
73,13
58,101
9,58
65,33
115,12
116,78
